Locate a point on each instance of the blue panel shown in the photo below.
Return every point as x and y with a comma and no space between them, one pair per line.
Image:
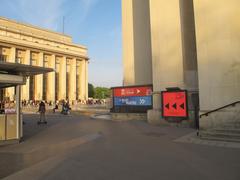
133,101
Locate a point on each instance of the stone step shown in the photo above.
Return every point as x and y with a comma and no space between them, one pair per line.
220,139
226,130
231,125
221,136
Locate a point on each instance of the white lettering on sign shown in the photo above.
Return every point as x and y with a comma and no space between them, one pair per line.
142,101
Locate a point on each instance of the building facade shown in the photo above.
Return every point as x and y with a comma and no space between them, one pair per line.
30,45
189,44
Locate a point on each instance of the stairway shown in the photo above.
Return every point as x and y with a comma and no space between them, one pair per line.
229,132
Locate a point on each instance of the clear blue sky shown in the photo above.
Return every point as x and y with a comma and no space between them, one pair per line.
93,23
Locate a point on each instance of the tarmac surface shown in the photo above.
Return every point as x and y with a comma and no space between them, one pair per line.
79,147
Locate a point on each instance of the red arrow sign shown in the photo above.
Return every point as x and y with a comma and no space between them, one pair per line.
133,91
174,104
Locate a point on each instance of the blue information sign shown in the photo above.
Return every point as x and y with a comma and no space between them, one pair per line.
133,101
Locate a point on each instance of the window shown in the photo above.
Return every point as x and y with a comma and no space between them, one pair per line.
3,57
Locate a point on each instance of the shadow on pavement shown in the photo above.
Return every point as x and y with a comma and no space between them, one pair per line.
31,128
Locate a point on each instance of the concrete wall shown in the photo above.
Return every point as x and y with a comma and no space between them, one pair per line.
218,46
221,119
167,66
167,61
136,42
195,45
128,42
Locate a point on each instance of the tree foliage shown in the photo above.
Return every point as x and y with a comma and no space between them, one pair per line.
98,92
102,93
91,91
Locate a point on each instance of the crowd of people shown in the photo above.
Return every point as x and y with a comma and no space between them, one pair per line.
63,106
90,101
7,104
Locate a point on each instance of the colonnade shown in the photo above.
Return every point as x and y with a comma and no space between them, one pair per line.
68,81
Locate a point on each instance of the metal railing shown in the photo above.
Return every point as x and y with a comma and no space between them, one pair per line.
218,109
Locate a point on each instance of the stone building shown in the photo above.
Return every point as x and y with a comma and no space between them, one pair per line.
27,44
191,44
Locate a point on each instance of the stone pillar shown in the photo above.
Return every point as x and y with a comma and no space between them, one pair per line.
78,72
25,88
86,79
189,45
167,52
39,79
62,78
51,80
189,51
72,88
12,59
82,80
137,57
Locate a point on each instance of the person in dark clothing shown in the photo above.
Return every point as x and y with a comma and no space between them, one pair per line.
55,108
42,110
66,108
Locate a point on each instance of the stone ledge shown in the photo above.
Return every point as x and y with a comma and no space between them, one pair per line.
9,142
129,116
154,117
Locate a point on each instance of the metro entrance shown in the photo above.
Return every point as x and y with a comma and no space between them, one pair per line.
14,75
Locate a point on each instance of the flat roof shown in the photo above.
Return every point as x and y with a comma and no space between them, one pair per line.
22,69
35,27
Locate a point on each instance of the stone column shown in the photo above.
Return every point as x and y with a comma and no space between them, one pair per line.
82,80
189,51
62,78
137,56
78,69
51,80
12,58
189,45
167,52
73,88
25,88
39,79
86,79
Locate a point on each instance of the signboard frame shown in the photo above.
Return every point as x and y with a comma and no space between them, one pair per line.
186,100
131,108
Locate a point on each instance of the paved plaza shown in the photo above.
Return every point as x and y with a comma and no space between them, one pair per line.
80,147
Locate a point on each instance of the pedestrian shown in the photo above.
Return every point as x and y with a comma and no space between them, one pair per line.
55,108
42,110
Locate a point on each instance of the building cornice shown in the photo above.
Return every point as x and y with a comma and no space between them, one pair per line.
35,27
42,49
7,29
60,38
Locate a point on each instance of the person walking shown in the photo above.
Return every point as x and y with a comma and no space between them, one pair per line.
56,107
42,110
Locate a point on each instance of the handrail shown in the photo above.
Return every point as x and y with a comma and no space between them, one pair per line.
215,110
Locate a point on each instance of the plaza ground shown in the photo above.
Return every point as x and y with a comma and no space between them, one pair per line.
80,147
